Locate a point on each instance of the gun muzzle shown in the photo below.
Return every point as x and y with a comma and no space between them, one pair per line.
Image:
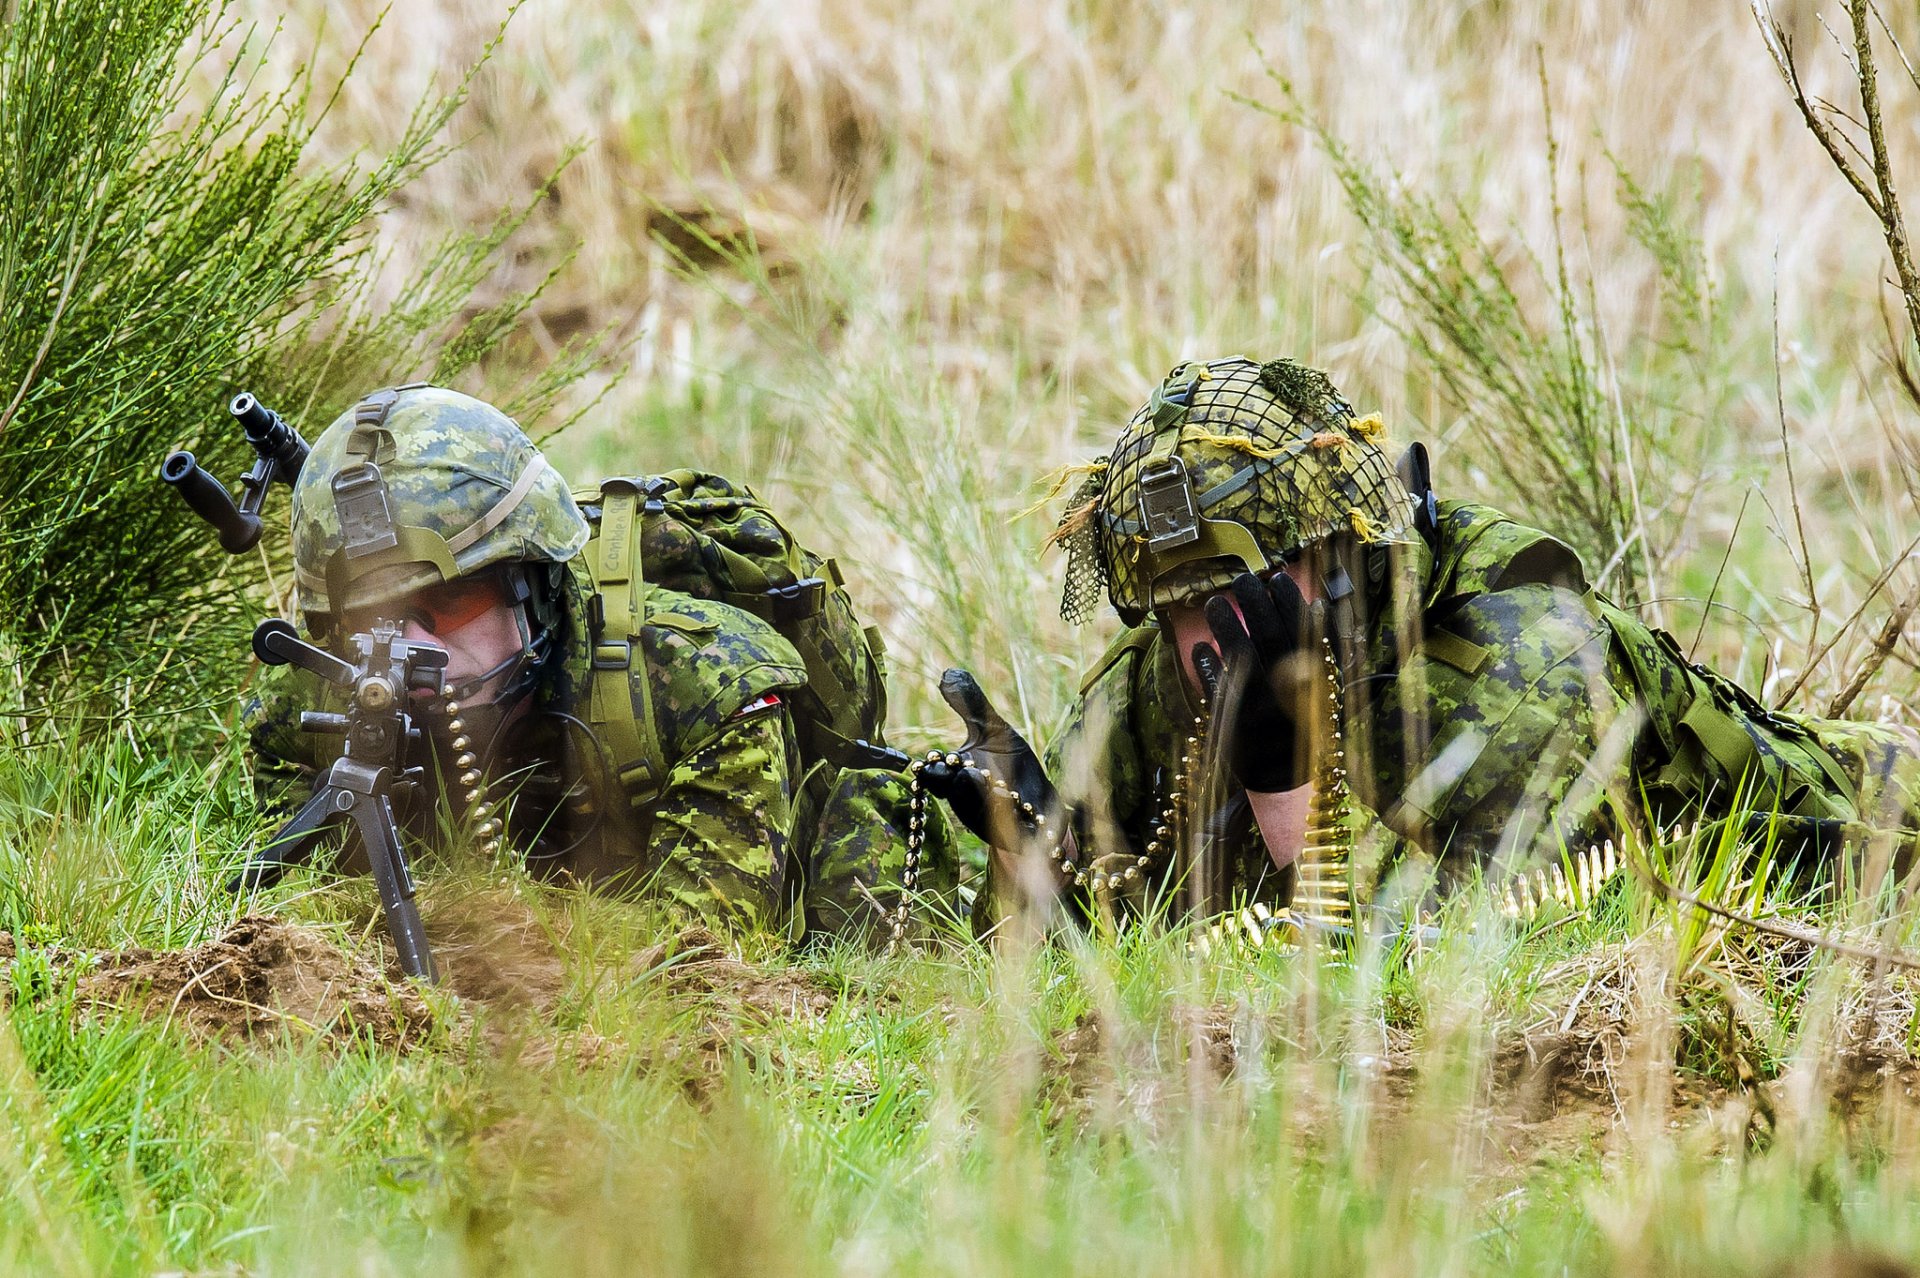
239,531
270,436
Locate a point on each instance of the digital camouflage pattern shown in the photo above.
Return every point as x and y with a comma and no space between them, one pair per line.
730,834
708,536
711,835
1528,715
458,473
1228,467
851,833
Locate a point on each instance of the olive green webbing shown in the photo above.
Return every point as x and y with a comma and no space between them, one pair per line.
480,527
1721,734
627,729
744,583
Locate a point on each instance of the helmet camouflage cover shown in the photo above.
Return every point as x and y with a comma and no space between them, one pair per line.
1229,467
419,485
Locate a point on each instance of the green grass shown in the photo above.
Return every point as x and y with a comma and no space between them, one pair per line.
947,303
1098,1106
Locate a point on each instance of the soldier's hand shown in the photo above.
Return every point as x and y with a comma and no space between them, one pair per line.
993,751
1259,674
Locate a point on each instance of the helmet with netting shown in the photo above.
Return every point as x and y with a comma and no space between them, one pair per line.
419,485
1230,466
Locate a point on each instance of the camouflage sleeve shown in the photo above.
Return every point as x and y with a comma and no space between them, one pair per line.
1882,760
1497,742
864,859
1097,761
720,826
282,759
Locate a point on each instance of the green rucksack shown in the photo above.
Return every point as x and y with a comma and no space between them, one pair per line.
706,536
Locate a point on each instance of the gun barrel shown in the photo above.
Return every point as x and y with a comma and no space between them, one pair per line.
270,435
239,531
324,723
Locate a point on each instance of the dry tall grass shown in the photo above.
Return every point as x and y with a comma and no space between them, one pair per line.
987,229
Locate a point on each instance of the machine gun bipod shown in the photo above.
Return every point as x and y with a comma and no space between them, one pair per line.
382,740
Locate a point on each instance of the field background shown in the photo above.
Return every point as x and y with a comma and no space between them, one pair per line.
984,232
894,263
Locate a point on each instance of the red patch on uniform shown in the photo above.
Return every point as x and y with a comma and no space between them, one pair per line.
761,706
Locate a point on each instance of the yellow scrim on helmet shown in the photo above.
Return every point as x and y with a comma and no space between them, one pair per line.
1371,427
1228,473
1057,481
1235,443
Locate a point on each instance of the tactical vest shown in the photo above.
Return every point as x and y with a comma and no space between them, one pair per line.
705,536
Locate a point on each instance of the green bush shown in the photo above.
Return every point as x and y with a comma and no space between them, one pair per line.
160,246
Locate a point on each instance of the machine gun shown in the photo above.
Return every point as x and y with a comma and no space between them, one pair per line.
383,740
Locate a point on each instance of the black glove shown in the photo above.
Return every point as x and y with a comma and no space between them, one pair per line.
1259,676
993,751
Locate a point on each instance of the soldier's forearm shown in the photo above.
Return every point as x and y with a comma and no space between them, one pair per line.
720,827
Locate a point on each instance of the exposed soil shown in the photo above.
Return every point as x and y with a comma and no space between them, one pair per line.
1604,1051
267,981
491,949
264,980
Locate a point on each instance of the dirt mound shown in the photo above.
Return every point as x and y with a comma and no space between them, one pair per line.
732,996
508,966
1089,1063
264,979
1572,1055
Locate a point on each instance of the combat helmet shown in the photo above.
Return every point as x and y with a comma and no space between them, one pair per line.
417,485
1230,466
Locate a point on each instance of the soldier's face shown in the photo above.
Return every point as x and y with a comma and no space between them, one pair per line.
1187,622
474,619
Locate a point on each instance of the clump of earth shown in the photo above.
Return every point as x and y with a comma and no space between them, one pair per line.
266,982
264,979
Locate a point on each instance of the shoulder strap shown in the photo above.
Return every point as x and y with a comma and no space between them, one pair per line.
1131,642
629,731
1707,709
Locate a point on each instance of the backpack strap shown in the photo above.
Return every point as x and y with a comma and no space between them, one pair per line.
1128,645
628,730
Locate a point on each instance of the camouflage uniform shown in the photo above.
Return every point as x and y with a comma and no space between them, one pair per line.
732,819
1514,714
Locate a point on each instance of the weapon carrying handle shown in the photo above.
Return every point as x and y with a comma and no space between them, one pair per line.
239,530
277,643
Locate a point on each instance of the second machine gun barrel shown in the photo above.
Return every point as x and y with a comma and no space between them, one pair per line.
279,453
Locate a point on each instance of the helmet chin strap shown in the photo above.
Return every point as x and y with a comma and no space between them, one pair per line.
486,716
